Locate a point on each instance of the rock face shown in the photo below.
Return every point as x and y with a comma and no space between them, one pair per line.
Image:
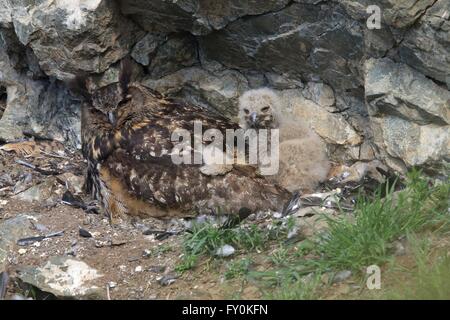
381,93
304,41
410,114
196,16
69,36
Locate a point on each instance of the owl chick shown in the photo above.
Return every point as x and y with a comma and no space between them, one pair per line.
303,159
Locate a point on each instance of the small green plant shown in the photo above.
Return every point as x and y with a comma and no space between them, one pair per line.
206,239
162,249
306,288
280,256
188,261
238,268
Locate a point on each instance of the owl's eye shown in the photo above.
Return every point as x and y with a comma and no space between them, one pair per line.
265,109
246,111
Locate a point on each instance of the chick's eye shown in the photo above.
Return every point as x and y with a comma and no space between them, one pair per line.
246,111
265,109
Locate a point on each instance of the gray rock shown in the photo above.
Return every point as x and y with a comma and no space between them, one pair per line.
48,191
12,230
397,13
333,128
41,106
225,251
5,13
426,47
282,82
410,114
396,89
146,47
320,93
65,277
404,144
176,53
341,276
220,91
303,41
72,36
196,16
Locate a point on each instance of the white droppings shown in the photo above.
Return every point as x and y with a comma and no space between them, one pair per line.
76,11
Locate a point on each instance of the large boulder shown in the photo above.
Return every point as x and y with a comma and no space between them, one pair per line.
396,13
33,102
426,47
304,41
69,36
196,16
410,114
218,90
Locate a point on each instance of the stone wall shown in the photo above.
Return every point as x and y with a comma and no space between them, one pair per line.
381,93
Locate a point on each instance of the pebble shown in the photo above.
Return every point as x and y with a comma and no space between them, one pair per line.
342,276
112,284
22,251
147,253
225,251
138,269
87,221
277,215
84,233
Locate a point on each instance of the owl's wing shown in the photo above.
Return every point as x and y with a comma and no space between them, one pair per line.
142,159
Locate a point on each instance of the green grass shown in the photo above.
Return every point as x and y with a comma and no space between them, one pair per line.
205,239
423,277
305,289
365,238
379,221
237,269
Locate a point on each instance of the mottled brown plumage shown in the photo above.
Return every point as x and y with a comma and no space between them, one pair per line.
131,171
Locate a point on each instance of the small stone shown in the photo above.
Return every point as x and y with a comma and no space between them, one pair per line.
147,253
138,269
22,251
167,280
342,276
225,251
277,215
101,243
87,221
122,267
84,233
399,248
112,284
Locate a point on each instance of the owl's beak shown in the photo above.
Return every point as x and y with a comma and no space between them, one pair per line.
112,118
253,117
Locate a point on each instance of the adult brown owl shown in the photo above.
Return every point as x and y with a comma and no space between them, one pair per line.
126,138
